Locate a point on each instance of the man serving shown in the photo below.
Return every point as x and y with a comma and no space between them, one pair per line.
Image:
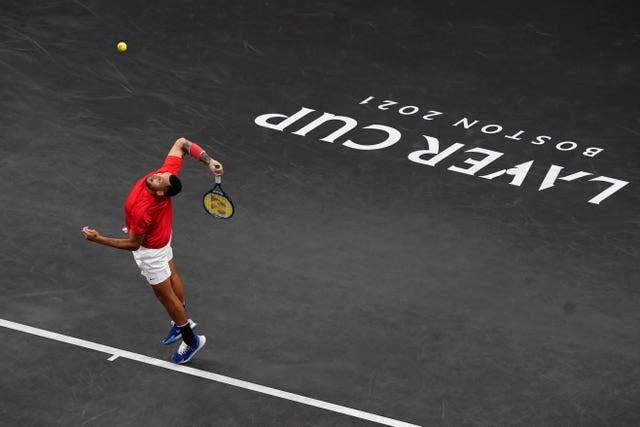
148,219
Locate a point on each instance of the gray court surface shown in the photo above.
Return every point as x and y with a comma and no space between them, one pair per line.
437,212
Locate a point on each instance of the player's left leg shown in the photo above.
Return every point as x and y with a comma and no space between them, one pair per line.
170,301
191,343
177,285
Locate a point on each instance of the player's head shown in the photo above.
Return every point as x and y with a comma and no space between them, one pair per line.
163,184
175,186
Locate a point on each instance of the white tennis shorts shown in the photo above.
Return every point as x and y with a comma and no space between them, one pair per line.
154,263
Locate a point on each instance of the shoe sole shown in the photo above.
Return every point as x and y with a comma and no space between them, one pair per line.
203,340
177,337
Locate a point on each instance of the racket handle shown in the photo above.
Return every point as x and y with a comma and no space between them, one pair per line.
218,179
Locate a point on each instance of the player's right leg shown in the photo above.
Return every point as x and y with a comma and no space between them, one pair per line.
176,282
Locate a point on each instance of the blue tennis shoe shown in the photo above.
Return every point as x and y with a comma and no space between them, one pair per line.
175,334
186,352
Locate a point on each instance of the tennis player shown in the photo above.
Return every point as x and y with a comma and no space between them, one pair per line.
148,219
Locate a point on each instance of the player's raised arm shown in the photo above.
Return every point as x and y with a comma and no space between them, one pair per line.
183,146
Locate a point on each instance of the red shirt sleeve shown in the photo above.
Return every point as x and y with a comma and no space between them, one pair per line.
172,164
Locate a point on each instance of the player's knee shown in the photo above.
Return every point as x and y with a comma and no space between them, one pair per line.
161,290
161,297
171,303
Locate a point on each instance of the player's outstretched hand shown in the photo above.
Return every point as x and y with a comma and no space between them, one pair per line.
215,167
90,234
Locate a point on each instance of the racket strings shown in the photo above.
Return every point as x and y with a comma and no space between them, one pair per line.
218,205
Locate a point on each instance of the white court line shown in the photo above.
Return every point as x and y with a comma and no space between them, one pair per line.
116,352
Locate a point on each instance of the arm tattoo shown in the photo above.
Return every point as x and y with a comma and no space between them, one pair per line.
185,146
204,158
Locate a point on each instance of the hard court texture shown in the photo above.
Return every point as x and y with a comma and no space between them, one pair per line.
455,241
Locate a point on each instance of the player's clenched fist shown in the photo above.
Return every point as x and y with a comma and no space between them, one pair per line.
216,167
89,233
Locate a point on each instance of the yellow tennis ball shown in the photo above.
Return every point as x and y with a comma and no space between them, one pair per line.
122,46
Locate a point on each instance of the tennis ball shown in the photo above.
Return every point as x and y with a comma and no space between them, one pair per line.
121,46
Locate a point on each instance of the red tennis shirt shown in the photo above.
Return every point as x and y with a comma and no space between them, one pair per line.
149,214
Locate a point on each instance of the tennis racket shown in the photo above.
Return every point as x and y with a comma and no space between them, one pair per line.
216,202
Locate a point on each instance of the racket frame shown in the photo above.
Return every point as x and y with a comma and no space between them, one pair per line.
217,189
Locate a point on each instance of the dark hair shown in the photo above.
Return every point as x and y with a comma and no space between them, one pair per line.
175,186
